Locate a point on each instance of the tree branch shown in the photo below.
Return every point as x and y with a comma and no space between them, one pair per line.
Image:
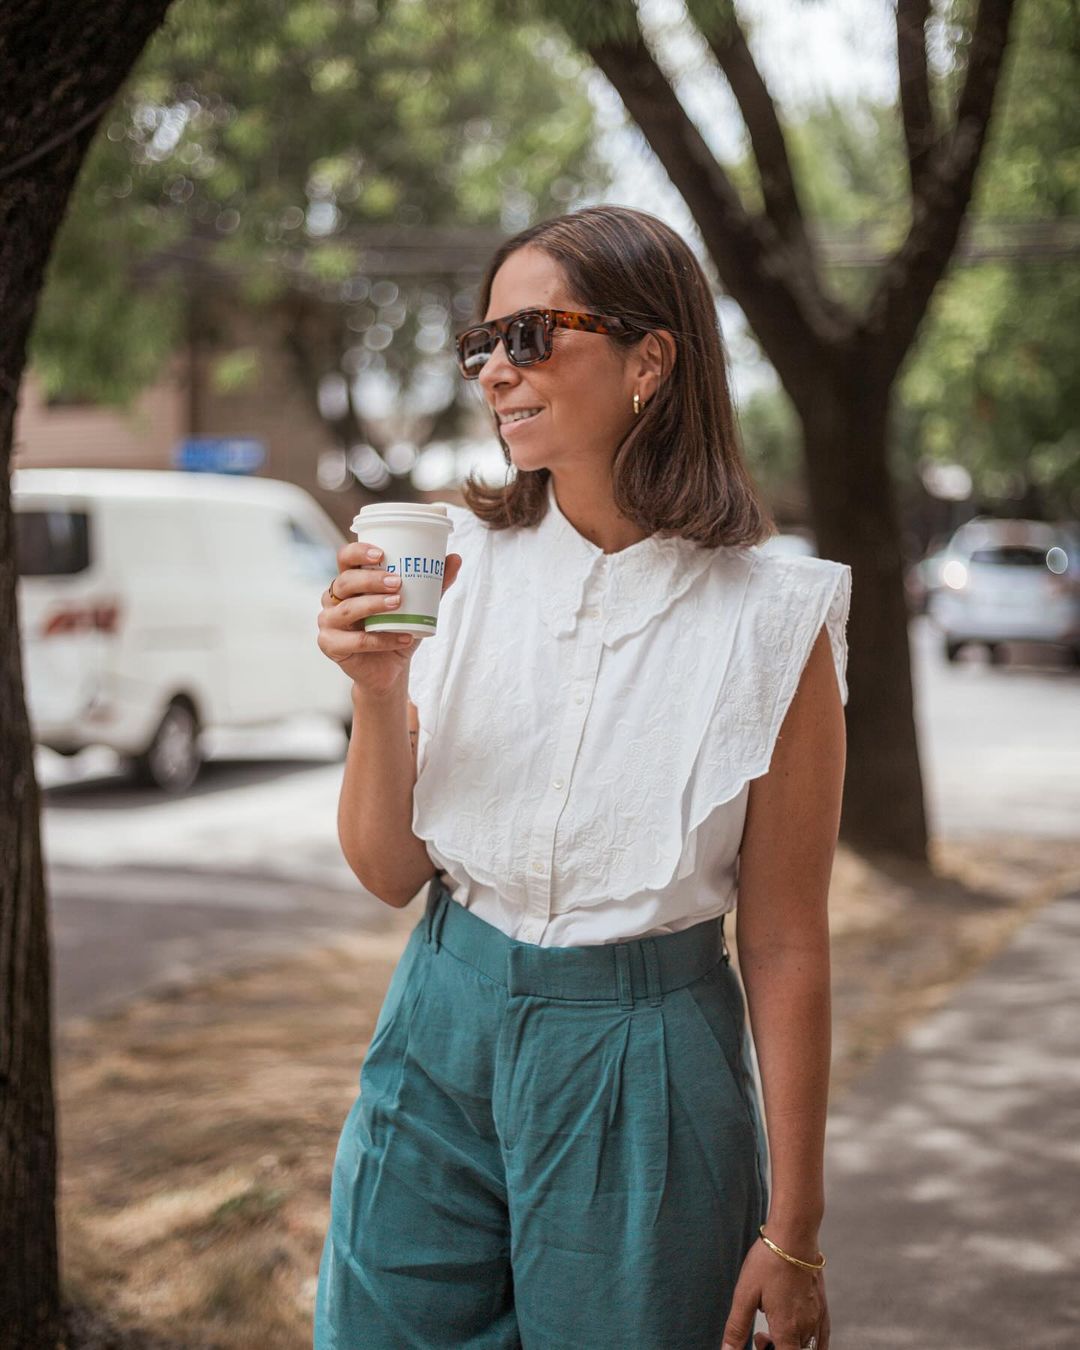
720,27
309,338
940,200
766,276
918,113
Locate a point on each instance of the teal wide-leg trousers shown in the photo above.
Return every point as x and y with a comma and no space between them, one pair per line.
553,1148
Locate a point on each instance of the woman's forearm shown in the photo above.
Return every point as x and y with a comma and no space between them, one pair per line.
788,999
375,808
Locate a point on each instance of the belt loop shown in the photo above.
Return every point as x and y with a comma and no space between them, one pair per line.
723,943
622,975
652,972
439,918
429,909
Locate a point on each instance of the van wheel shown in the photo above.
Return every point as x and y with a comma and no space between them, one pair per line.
171,761
996,653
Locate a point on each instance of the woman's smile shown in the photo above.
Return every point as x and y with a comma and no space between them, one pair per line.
516,421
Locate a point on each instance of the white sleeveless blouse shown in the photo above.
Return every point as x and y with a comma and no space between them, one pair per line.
590,722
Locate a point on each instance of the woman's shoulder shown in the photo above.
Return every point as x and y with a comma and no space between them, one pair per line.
783,582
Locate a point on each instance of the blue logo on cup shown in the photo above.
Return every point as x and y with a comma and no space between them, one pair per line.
418,567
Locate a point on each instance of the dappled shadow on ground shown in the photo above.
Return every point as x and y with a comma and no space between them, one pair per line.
951,1165
904,934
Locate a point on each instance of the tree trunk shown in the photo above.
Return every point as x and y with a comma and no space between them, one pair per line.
29,1281
59,69
29,1285
845,426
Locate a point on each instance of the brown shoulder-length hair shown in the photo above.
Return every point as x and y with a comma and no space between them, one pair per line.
680,468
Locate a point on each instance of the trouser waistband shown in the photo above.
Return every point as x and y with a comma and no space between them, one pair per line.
619,972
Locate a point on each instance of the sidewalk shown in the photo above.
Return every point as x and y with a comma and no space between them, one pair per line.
953,1165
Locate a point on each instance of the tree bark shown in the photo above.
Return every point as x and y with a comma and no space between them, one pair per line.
845,435
59,69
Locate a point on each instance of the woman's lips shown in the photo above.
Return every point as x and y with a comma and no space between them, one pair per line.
510,428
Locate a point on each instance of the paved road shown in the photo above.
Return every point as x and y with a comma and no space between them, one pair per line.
118,931
997,743
953,1166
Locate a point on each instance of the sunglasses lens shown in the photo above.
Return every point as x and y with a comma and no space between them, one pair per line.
525,341
524,345
474,348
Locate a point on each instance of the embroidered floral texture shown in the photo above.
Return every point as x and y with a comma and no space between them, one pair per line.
590,721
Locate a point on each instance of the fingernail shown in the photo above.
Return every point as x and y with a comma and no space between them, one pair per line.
374,553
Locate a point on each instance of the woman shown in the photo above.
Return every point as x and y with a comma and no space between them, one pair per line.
630,717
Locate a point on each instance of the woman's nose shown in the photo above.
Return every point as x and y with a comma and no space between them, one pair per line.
498,368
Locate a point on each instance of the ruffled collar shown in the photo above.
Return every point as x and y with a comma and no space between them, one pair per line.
631,586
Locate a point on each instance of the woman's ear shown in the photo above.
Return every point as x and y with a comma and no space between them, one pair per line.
656,359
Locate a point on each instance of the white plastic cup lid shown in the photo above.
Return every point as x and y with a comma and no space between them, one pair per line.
417,511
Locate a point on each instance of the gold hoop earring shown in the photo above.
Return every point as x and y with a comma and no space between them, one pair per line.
637,404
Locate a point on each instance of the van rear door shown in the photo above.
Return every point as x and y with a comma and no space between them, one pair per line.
67,620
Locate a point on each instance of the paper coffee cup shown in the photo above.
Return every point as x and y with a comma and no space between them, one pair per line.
413,537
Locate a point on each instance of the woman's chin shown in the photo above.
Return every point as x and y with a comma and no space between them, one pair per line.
528,460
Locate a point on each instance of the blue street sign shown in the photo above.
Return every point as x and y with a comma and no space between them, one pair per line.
219,454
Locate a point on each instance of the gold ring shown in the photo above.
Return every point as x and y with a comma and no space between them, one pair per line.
334,599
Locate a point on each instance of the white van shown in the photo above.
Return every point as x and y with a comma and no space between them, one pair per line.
155,605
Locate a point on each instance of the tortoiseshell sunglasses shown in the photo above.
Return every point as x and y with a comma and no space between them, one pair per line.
527,334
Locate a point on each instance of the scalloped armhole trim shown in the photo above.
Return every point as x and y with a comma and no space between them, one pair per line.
828,610
836,618
743,730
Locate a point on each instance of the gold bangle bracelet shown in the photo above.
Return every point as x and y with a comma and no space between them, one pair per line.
806,1265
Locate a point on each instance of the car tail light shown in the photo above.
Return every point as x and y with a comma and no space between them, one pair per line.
103,617
954,575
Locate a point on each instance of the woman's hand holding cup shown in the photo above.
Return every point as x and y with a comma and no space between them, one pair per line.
374,661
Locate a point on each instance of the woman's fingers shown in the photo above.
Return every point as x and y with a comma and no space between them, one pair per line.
339,644
740,1321
450,571
365,581
825,1332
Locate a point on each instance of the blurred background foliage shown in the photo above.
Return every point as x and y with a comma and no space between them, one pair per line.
258,139
993,383
255,144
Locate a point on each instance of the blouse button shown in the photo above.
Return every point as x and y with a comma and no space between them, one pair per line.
538,867
579,698
592,613
556,782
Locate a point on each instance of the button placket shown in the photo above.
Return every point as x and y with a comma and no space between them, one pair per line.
588,651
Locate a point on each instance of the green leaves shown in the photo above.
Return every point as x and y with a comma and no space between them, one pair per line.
255,139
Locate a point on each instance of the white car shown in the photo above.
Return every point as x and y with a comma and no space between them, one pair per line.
1009,581
155,605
